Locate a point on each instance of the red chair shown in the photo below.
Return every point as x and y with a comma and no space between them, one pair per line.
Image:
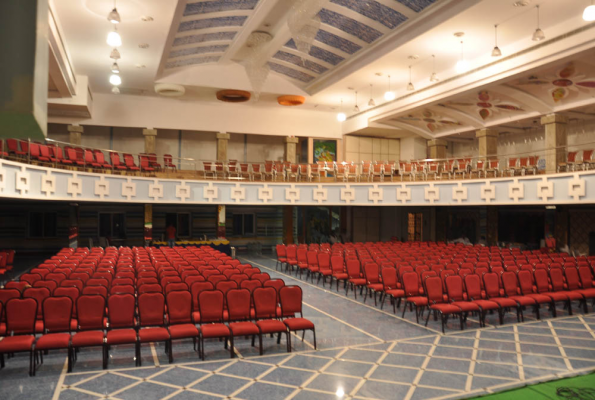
99,290
167,162
302,261
238,306
116,163
144,163
291,304
122,324
57,313
338,270
211,320
324,267
573,280
129,161
355,277
151,307
455,290
512,291
390,288
100,159
91,322
543,289
265,305
39,294
20,329
179,310
559,286
373,284
196,289
281,255
411,287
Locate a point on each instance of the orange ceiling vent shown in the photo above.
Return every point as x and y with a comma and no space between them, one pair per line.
233,96
290,100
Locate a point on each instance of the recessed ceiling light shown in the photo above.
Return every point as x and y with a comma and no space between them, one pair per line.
413,57
459,34
350,88
520,3
144,45
378,74
146,18
140,66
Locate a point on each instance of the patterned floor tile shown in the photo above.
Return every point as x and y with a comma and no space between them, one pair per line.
383,390
146,391
479,382
288,376
244,369
106,384
305,362
443,380
361,355
422,393
445,364
349,368
331,383
404,360
189,395
179,376
394,374
260,390
220,384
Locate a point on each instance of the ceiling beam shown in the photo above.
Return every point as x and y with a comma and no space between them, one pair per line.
349,13
526,99
408,127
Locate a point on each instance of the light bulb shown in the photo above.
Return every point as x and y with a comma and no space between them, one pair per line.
389,96
538,35
114,39
589,13
115,80
116,90
115,68
341,117
356,108
410,87
371,103
434,77
114,16
496,52
115,54
462,66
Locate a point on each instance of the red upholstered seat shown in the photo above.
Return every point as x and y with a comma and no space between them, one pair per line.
466,306
121,336
298,324
271,326
53,341
183,331
88,338
13,344
214,330
243,328
153,335
446,308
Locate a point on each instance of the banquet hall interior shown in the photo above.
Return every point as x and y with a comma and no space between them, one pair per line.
297,199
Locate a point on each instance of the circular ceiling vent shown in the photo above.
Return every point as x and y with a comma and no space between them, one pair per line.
233,96
169,89
290,100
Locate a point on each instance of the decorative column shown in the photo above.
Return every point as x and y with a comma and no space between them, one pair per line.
488,143
291,149
75,132
437,148
556,141
150,139
288,224
148,224
25,68
221,221
222,139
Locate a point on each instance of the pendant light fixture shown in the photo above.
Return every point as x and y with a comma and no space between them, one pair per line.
496,52
114,39
115,54
371,102
410,86
538,35
462,65
389,95
115,68
116,90
115,79
341,116
356,108
589,13
114,16
434,77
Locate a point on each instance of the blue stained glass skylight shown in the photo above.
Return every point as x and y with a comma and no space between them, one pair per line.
319,53
337,41
205,7
374,10
204,37
351,26
192,61
297,60
199,50
212,23
417,5
290,72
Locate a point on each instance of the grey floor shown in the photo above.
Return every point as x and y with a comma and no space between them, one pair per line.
363,352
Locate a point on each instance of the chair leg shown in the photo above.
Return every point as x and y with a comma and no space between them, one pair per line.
69,359
138,360
230,347
428,318
314,334
171,352
287,340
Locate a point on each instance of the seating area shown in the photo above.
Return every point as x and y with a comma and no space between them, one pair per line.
447,279
6,264
103,298
97,160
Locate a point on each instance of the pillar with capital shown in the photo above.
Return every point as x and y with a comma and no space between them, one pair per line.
488,143
222,141
75,132
221,221
437,148
291,149
148,231
556,140
150,140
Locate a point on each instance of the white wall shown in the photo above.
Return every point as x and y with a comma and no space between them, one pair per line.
262,147
413,148
128,140
360,148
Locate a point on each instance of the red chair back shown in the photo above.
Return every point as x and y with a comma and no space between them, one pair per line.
57,312
21,315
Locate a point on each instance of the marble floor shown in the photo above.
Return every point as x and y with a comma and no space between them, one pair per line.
363,352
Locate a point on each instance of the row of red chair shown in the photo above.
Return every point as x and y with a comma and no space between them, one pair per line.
6,263
88,158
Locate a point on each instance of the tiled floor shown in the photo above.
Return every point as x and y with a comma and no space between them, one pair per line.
364,353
